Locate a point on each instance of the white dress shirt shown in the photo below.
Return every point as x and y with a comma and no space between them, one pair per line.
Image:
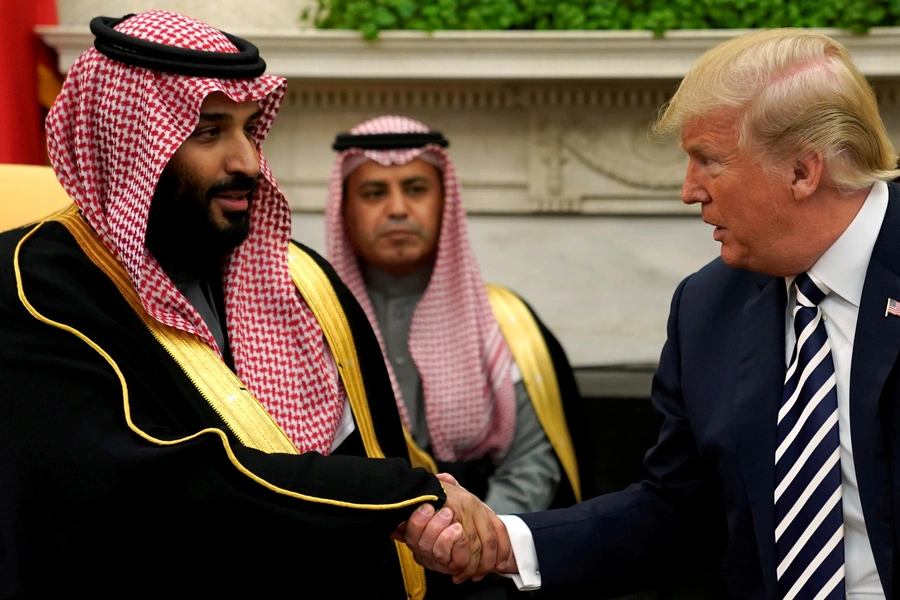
843,269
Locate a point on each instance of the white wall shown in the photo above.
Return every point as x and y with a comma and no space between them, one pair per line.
601,284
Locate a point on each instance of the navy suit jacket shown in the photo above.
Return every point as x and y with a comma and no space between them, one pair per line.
710,476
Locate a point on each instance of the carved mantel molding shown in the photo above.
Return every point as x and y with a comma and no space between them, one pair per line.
492,55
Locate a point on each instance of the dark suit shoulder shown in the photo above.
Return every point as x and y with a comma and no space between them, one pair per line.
717,284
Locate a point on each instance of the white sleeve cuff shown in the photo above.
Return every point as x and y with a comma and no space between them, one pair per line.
529,575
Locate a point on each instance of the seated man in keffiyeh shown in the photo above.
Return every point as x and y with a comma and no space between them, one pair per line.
480,382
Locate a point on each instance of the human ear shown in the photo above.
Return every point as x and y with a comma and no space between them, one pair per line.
807,174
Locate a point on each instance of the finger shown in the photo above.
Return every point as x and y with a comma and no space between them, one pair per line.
489,542
509,565
446,542
504,546
447,478
425,546
399,534
416,525
460,553
466,508
470,566
461,557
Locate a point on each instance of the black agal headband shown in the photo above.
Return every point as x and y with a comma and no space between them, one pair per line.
243,64
388,141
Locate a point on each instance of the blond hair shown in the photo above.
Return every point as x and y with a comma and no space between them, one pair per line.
795,91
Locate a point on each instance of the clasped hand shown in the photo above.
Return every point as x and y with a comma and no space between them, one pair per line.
465,538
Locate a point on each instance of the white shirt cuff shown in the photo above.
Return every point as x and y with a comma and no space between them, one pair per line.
529,575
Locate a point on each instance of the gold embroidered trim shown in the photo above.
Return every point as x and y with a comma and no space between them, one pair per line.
322,300
316,289
413,573
73,222
224,392
523,336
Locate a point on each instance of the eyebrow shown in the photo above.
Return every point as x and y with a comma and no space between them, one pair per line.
415,179
696,147
372,183
224,116
382,183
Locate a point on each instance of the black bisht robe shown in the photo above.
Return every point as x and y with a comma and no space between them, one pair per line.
88,505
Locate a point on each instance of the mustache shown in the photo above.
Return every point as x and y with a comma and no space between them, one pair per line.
395,226
237,182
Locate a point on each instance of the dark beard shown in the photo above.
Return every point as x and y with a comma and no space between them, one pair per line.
180,228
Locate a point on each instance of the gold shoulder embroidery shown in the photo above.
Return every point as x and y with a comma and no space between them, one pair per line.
226,394
523,336
319,294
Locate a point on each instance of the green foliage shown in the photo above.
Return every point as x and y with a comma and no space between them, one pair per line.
372,16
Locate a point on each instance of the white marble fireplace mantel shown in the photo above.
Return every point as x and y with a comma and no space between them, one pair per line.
540,121
495,55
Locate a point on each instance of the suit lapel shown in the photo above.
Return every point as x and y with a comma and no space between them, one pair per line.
875,350
760,378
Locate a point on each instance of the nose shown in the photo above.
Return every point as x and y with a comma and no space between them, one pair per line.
397,208
691,190
242,157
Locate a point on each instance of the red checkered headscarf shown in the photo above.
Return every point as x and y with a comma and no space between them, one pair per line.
111,132
461,356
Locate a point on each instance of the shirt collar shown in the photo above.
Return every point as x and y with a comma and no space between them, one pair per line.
392,286
843,266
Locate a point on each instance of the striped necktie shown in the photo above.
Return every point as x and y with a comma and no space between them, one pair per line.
809,520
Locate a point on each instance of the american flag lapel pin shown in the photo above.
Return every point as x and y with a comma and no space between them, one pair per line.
893,308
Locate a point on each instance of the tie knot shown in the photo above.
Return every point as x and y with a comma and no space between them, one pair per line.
810,291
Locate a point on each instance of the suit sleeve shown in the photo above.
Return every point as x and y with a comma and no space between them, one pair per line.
624,541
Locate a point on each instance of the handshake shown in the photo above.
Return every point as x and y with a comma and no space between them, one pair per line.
465,538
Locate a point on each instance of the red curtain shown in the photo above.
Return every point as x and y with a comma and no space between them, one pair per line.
29,80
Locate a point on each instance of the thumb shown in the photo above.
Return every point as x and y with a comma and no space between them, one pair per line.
447,478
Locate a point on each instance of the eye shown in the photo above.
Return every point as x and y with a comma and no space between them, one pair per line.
206,134
416,190
703,160
250,130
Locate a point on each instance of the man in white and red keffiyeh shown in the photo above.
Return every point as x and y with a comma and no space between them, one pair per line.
182,385
460,362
